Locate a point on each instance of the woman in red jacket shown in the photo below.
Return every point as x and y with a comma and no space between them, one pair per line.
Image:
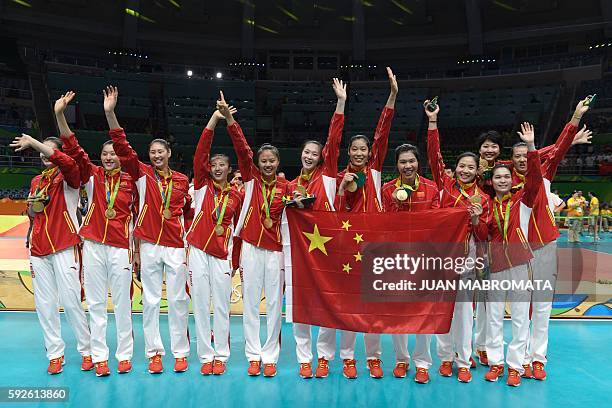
261,258
164,203
359,190
459,191
105,231
210,249
54,260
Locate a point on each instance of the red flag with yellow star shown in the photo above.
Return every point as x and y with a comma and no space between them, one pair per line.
330,272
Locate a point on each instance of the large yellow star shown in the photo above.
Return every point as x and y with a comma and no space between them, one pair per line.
346,225
358,256
317,241
358,237
346,267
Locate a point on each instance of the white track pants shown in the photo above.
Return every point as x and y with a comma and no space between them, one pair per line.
326,344
262,270
544,268
519,311
106,266
421,355
211,277
480,329
154,260
56,283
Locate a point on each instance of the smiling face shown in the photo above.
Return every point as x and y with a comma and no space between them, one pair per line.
311,156
466,169
109,159
159,155
219,169
502,180
489,150
268,163
407,166
359,153
519,159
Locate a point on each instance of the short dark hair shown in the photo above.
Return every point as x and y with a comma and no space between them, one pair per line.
163,142
492,135
518,144
474,156
55,140
500,166
264,147
362,137
404,148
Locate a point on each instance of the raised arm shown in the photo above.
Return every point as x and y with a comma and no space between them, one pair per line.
331,151
434,156
533,177
381,136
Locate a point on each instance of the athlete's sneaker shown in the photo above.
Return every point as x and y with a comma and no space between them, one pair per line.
155,364
55,365
375,368
422,376
219,367
464,375
305,370
322,368
254,368
538,371
102,369
494,373
125,366
350,368
446,369
87,363
472,363
400,369
180,365
527,373
269,370
514,378
482,357
207,368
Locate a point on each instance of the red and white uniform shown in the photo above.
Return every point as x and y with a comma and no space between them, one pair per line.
368,199
509,256
424,197
322,184
456,194
54,258
161,248
106,258
210,254
261,258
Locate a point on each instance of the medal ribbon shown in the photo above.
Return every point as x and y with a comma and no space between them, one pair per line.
399,184
504,230
462,187
265,195
167,193
114,186
223,196
521,177
47,175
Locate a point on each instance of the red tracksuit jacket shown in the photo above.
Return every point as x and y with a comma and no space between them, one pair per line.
425,197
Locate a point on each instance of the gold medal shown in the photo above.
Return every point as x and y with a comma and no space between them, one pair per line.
401,194
476,199
167,213
219,230
110,213
268,223
352,186
302,191
38,206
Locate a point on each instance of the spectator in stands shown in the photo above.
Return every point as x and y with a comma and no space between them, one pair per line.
594,215
575,211
606,217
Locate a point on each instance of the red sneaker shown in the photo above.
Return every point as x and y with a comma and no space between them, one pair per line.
528,373
422,376
472,363
400,369
124,367
464,375
305,370
102,369
155,364
55,365
269,370
207,368
514,378
538,371
254,368
180,365
446,369
87,363
482,357
494,373
219,367
375,368
350,369
322,368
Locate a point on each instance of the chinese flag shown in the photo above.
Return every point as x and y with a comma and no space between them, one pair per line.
324,253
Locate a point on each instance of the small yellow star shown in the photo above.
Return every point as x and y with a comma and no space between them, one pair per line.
358,238
317,241
346,225
346,267
358,256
